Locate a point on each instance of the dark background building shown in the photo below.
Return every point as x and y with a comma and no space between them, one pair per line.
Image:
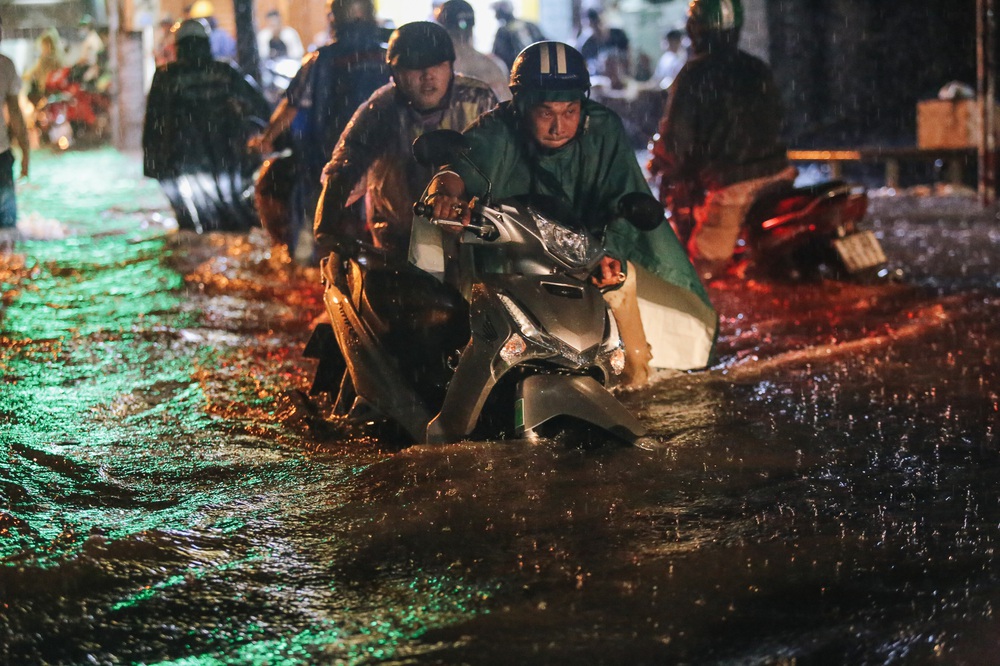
852,71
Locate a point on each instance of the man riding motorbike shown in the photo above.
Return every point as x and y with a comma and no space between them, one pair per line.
552,140
424,94
718,146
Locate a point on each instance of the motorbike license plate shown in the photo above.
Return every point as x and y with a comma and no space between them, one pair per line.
860,251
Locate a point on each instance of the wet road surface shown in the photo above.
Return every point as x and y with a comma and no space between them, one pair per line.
826,493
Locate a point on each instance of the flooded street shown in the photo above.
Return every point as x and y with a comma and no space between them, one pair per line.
828,492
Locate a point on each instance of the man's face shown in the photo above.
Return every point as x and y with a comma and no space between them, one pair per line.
554,124
424,88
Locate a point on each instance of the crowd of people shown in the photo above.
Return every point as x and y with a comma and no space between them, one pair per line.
336,147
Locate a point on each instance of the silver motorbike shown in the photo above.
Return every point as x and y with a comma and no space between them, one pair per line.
519,342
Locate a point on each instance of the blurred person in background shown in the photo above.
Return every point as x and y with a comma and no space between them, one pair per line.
606,49
12,126
719,143
332,83
87,52
513,35
458,18
222,43
50,59
199,115
673,58
276,40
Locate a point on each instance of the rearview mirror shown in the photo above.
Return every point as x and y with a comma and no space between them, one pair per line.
439,147
641,210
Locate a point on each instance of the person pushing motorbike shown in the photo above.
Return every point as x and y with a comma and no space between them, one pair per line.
718,145
424,94
551,140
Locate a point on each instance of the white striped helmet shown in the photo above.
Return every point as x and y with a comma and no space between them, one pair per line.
549,66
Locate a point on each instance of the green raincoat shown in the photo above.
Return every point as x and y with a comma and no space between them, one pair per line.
591,174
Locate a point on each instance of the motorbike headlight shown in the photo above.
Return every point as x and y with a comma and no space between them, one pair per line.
572,247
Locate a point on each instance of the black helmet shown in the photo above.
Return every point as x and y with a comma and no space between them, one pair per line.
419,45
191,29
456,15
717,14
549,66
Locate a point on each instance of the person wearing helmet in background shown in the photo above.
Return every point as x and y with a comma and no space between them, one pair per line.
375,148
513,34
223,44
199,115
458,18
552,140
719,139
333,82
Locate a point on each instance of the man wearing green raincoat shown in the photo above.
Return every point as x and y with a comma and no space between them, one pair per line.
552,140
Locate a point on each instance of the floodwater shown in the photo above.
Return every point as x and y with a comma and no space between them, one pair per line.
828,493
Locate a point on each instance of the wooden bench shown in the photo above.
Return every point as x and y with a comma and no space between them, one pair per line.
956,160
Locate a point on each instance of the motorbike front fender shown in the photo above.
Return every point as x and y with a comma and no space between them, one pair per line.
543,397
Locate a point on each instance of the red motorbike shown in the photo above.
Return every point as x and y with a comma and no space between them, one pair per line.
805,232
73,109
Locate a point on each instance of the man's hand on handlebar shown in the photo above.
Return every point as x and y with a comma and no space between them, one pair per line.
609,273
448,207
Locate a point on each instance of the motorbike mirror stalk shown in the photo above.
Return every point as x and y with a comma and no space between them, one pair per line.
438,148
641,210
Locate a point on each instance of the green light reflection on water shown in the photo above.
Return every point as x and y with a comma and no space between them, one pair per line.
89,360
107,439
389,628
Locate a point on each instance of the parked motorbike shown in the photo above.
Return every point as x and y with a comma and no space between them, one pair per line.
73,108
529,343
805,232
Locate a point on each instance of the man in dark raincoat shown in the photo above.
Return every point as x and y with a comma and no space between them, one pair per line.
373,157
719,143
552,140
332,83
199,115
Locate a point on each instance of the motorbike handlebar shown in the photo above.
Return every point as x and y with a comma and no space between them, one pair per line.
478,226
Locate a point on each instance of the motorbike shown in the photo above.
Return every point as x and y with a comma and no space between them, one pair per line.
805,232
73,108
521,344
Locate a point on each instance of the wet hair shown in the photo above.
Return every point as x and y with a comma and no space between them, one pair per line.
340,11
